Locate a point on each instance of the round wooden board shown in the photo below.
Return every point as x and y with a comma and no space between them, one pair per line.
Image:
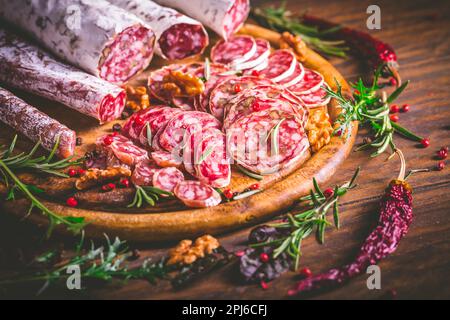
281,190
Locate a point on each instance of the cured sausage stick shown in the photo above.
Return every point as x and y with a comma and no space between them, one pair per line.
35,124
225,17
26,67
177,36
101,39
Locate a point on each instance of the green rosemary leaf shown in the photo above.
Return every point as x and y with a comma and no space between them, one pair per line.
246,194
149,134
206,154
317,188
249,173
394,95
336,214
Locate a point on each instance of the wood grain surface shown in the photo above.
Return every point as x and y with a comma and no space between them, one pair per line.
420,268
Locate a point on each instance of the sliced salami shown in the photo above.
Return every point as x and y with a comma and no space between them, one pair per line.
316,98
35,125
143,173
229,89
184,124
261,55
295,78
212,164
166,159
156,117
217,74
167,179
177,36
101,39
281,65
267,141
225,17
26,67
260,98
235,51
184,103
122,148
196,194
312,81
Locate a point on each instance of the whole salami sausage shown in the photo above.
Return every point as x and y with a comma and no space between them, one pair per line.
177,36
35,125
101,39
225,17
28,68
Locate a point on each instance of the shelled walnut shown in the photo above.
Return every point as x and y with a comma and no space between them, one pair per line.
294,43
137,98
180,84
186,253
319,128
93,177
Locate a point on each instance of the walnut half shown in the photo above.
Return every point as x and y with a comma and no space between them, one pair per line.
319,128
180,84
186,253
294,43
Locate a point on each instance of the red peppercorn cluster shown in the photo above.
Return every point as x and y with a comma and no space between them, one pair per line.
76,172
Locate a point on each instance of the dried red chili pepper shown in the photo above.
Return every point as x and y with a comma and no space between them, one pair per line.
377,52
395,218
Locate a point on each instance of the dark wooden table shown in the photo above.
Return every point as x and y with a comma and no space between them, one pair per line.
420,268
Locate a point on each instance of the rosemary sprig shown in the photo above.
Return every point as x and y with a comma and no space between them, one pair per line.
302,224
98,263
371,109
26,161
280,19
146,195
9,164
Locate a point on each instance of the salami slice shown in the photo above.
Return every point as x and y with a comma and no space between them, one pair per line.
225,17
236,50
177,36
261,55
281,65
167,179
190,144
196,194
212,164
217,74
295,78
316,98
101,39
184,103
166,159
143,173
122,148
267,141
312,81
260,98
224,92
153,116
35,125
184,124
26,67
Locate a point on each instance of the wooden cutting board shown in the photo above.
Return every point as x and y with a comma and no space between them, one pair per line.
171,220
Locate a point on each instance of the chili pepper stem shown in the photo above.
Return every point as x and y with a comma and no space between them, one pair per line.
401,175
394,71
